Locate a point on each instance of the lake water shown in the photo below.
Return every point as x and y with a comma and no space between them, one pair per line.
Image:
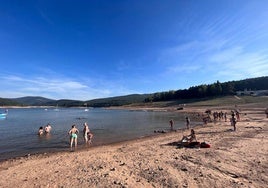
19,130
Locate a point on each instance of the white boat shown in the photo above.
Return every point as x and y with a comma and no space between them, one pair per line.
3,115
86,110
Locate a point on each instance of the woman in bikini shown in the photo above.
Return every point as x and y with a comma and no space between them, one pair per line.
190,138
87,134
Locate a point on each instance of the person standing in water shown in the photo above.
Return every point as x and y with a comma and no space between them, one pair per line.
171,122
48,128
73,136
85,132
187,122
40,131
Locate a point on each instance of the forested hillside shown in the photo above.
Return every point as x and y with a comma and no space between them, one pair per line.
33,101
195,92
118,101
211,90
8,102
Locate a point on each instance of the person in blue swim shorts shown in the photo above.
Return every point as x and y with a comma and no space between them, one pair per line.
73,136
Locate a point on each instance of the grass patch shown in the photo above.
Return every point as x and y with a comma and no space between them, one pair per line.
261,101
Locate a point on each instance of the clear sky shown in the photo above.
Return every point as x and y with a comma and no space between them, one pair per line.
88,49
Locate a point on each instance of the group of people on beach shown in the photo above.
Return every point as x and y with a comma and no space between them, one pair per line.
87,134
45,130
219,116
190,140
73,133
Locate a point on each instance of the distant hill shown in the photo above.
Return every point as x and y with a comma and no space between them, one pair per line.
103,102
118,101
216,89
33,101
8,102
65,103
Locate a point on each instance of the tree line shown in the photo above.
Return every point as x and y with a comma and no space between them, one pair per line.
211,90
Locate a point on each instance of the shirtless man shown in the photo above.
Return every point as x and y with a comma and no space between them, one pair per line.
73,136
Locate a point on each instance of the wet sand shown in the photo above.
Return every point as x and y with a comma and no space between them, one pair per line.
235,159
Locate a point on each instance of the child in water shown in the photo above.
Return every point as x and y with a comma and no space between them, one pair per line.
40,131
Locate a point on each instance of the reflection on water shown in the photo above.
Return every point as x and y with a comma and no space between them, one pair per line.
19,130
45,136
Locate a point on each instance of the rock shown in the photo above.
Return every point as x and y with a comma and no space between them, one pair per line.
234,176
184,169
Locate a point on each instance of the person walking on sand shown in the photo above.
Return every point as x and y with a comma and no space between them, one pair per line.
73,136
187,122
233,121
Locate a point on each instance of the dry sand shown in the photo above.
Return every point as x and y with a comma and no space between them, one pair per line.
235,159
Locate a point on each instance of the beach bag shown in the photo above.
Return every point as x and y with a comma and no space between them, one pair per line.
204,145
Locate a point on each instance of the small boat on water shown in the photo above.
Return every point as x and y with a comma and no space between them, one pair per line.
3,115
86,110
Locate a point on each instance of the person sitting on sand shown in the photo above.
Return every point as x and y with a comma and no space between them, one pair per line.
40,131
73,136
190,138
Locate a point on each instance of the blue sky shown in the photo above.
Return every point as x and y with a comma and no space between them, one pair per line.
86,49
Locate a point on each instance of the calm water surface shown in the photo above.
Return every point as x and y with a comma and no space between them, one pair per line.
19,131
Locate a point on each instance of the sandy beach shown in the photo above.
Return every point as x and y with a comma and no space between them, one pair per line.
235,159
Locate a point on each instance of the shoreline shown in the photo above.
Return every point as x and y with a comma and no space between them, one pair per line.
155,161
65,146
86,148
